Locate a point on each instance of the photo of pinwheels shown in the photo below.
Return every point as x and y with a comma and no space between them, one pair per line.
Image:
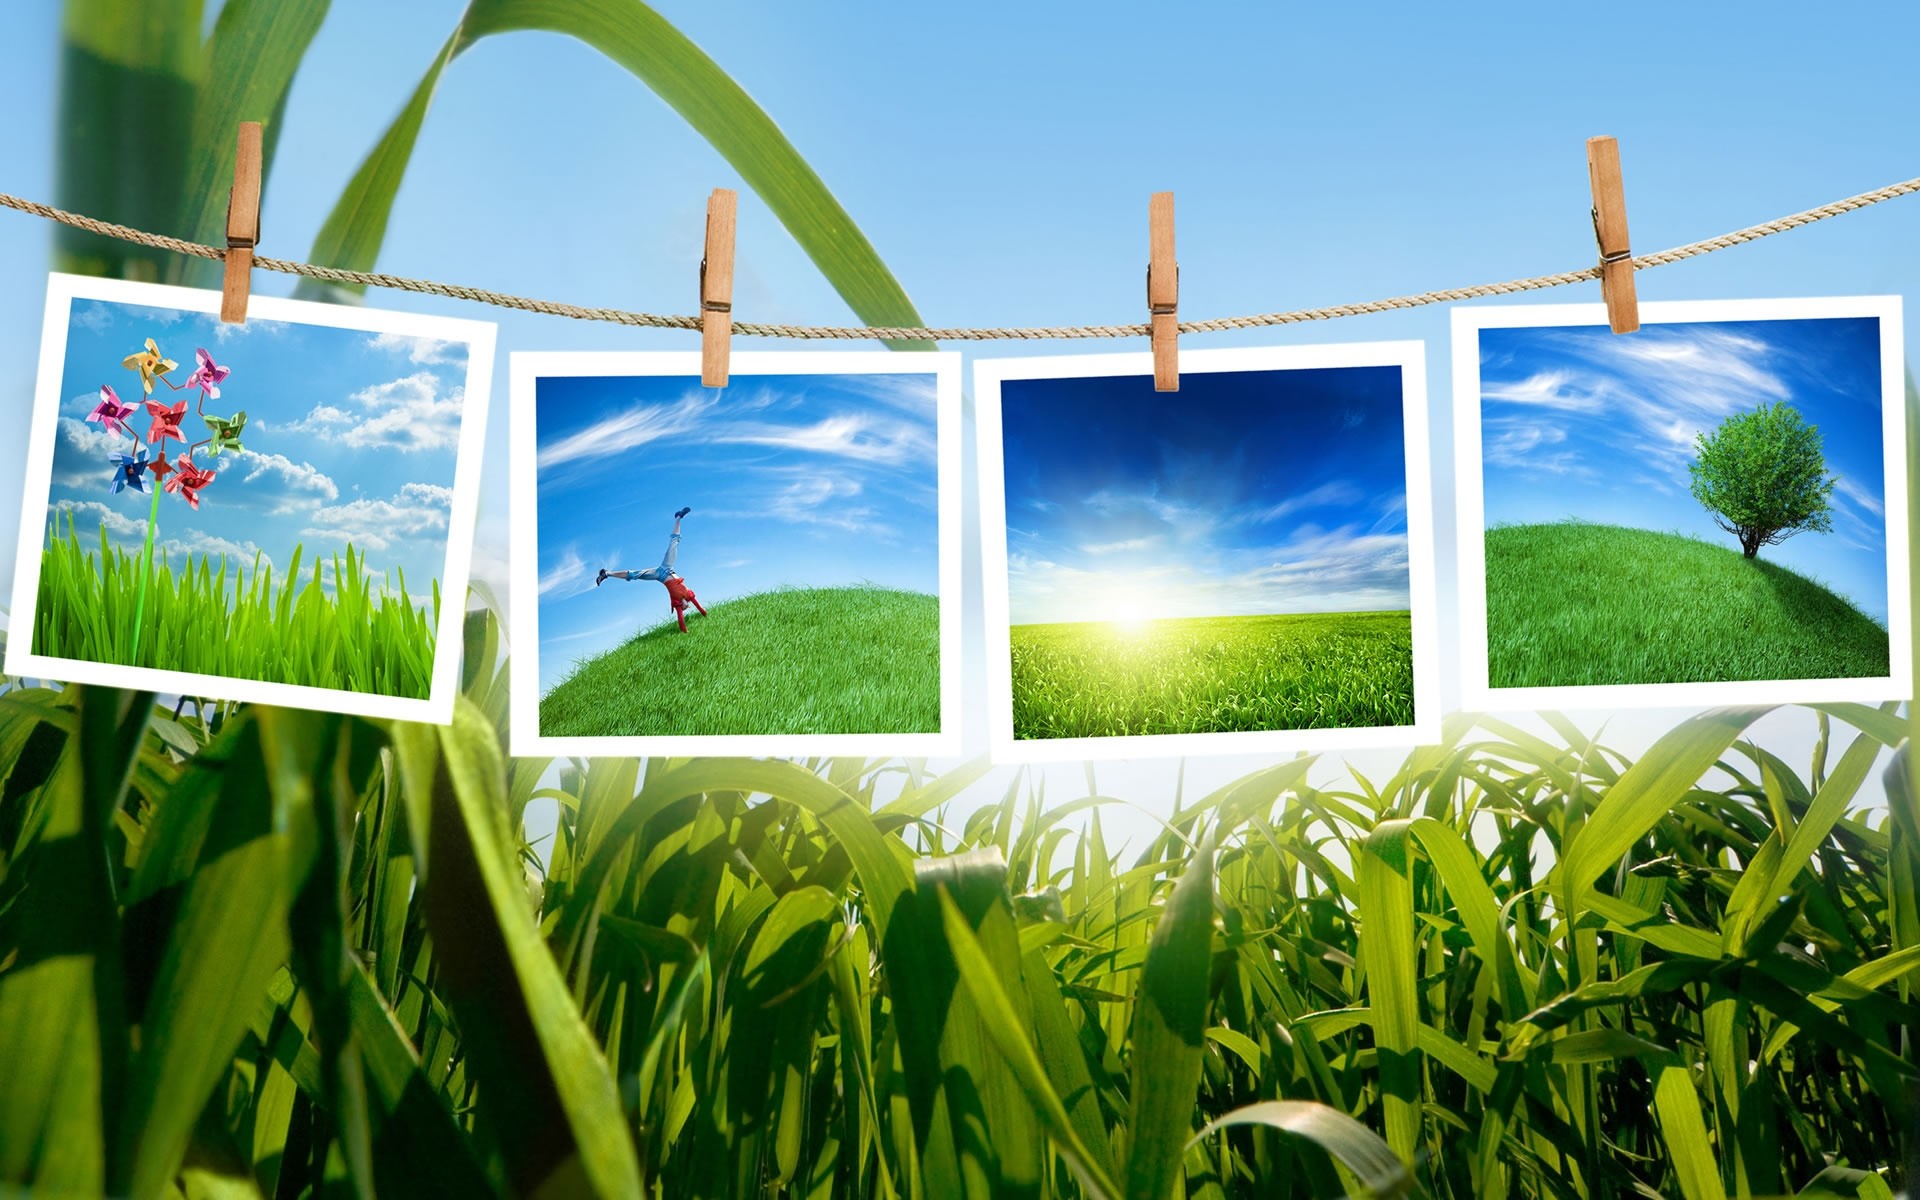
225,507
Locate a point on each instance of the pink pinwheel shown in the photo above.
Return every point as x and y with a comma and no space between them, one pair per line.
188,480
208,376
166,422
111,413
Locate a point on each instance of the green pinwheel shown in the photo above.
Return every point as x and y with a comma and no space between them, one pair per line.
225,432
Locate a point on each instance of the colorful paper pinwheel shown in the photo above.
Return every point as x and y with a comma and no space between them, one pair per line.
188,480
208,376
166,422
225,431
130,471
150,363
160,467
111,413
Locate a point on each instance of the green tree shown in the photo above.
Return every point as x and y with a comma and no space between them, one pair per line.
1763,477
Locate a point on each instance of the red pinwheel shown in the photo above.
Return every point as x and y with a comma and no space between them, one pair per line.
208,376
166,422
188,480
110,412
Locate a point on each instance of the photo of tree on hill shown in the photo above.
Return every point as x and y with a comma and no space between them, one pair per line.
1704,501
1241,560
765,560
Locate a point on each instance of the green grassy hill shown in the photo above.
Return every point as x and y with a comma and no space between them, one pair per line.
797,660
1575,603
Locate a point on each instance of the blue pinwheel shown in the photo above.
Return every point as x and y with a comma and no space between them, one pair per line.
130,471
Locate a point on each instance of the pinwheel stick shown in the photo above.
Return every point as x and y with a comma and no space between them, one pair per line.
146,569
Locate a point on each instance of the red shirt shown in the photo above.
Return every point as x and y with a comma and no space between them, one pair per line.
678,591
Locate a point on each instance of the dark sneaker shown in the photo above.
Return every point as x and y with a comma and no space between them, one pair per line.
601,578
683,512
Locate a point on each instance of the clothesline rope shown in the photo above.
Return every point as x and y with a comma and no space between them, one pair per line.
917,333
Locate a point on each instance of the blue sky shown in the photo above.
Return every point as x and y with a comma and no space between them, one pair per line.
1578,422
1291,147
350,438
794,480
1250,492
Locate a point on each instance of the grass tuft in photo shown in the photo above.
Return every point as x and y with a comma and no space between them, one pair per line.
1576,604
333,628
1213,675
858,659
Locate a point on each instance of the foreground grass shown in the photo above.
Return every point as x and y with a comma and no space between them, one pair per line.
1213,675
1575,604
299,955
333,627
797,660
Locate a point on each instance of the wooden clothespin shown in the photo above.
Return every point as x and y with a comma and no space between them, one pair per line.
1610,230
1163,293
243,225
716,288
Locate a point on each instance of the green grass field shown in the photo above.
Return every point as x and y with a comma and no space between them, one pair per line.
1577,604
1213,675
796,660
330,627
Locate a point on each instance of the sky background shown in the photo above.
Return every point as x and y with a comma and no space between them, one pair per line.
794,480
1581,423
999,157
350,439
1250,492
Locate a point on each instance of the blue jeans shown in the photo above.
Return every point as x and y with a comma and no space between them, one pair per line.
664,571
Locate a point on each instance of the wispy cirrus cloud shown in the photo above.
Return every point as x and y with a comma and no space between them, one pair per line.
1654,393
626,429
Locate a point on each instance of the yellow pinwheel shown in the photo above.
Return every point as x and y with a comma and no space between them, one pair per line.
150,363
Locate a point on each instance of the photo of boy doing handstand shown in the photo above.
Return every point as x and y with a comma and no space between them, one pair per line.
678,593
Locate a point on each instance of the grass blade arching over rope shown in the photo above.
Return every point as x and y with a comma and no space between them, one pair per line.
680,73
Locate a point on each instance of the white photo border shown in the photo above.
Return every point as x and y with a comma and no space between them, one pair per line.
1477,693
1409,356
478,336
526,368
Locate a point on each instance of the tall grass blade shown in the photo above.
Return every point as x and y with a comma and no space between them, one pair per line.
551,1086
1359,1149
252,57
1170,1031
646,44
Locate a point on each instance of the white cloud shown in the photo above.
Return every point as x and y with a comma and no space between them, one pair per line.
871,437
626,429
1655,392
92,439
206,545
88,513
1318,570
411,413
421,351
570,576
414,511
1859,496
279,484
1130,545
1332,492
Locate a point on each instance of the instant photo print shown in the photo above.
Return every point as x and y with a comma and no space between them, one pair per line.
277,511
1710,510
